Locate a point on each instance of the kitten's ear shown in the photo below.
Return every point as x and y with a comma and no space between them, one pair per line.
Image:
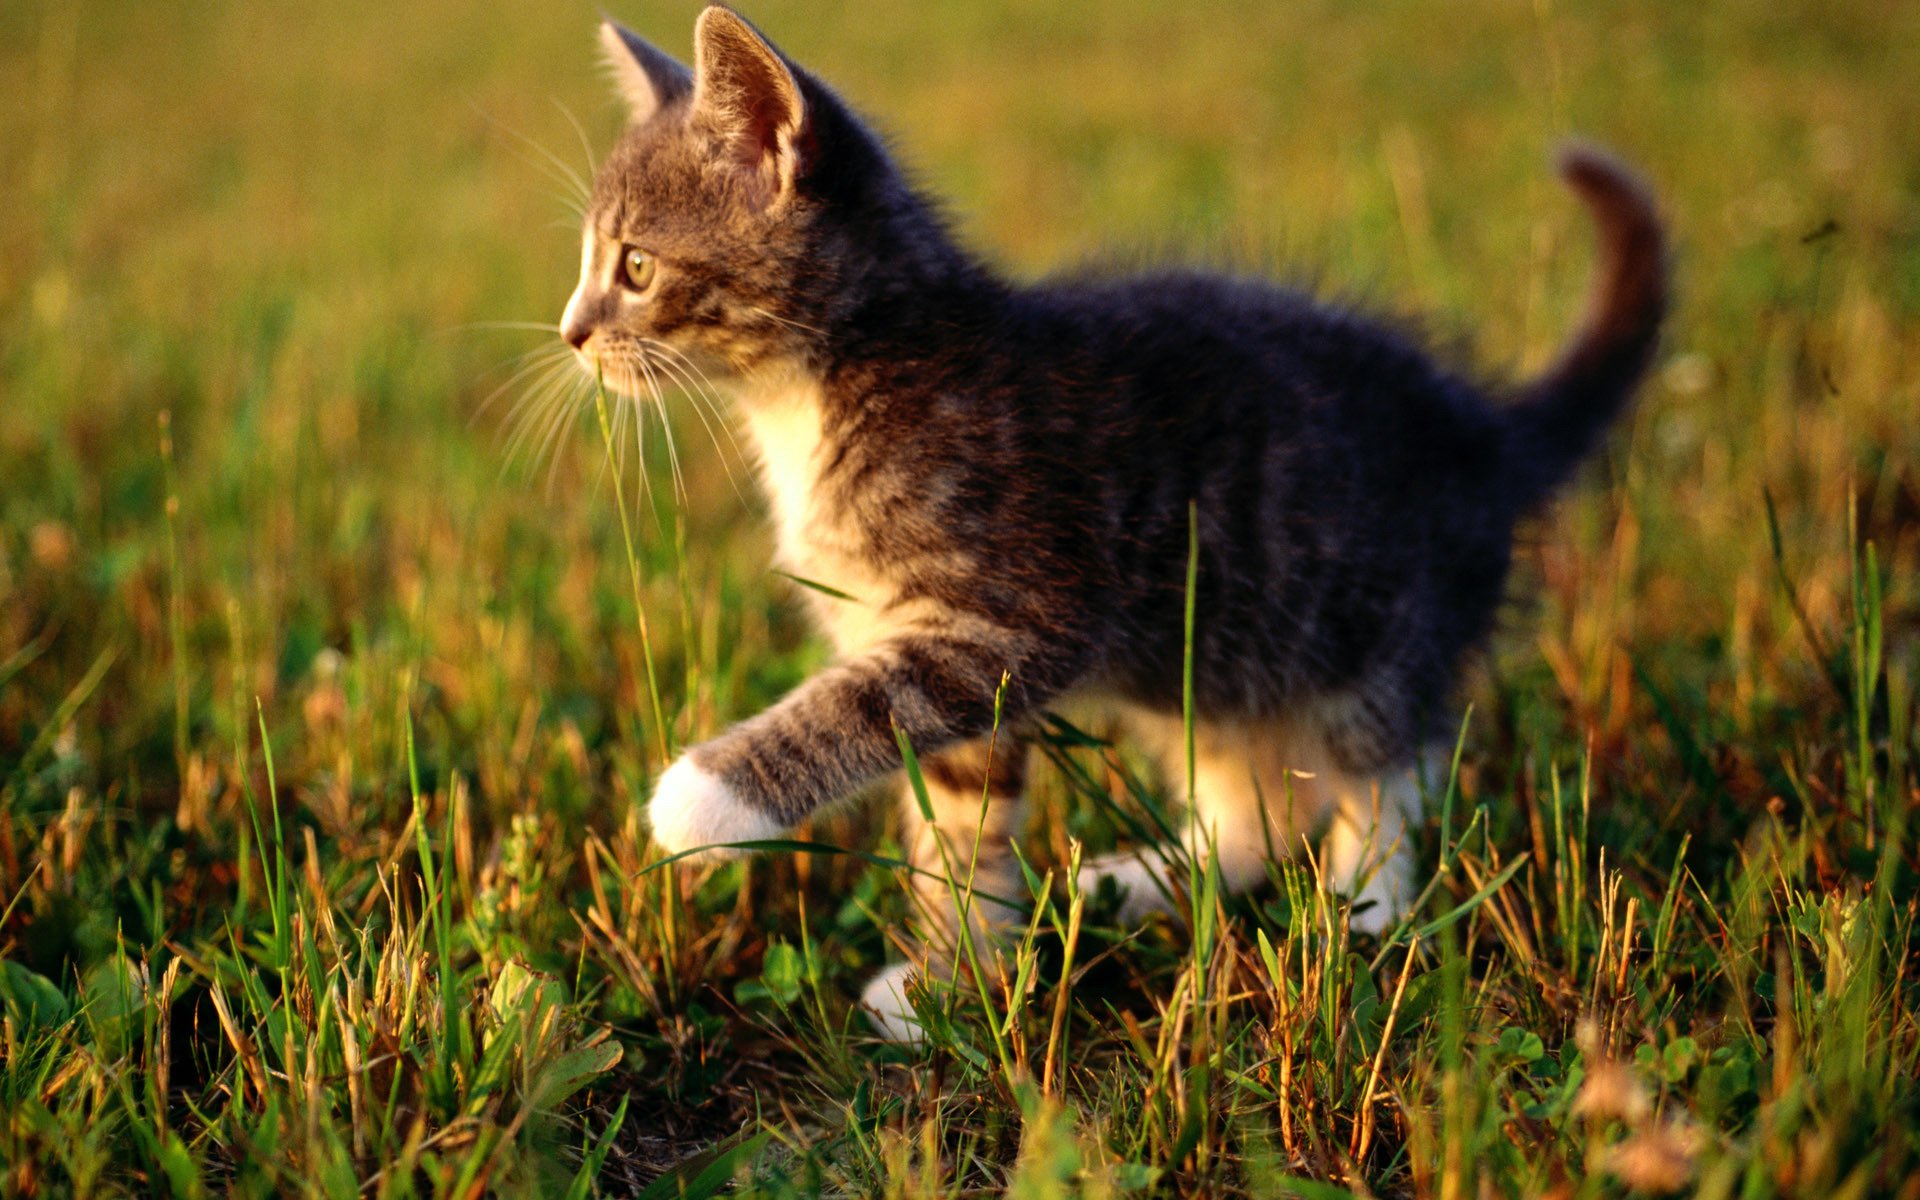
748,96
648,80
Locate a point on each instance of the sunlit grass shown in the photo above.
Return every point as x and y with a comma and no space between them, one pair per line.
325,721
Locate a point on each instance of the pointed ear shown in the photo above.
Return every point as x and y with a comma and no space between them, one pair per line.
747,95
648,80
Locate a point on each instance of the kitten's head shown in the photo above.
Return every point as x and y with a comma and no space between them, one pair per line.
734,219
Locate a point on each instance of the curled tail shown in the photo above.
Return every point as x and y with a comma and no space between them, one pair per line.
1561,415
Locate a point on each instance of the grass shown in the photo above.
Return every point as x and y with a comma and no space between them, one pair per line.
325,728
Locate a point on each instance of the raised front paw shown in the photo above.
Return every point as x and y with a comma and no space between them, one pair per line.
693,808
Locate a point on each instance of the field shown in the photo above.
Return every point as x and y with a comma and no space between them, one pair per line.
328,711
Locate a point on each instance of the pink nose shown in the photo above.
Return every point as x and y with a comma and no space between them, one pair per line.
576,335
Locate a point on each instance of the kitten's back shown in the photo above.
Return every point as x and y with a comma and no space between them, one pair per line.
1355,499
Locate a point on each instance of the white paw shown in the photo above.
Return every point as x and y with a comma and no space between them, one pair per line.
1384,899
692,808
1140,880
885,999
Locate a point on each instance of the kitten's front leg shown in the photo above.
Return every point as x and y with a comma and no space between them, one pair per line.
834,732
964,872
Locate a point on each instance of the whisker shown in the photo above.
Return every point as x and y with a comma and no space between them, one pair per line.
666,428
535,415
569,197
787,321
552,327
544,376
622,413
518,364
545,350
685,386
696,383
576,193
520,446
567,175
541,360
640,453
682,357
621,385
612,456
691,371
568,416
586,146
576,207
626,386
701,402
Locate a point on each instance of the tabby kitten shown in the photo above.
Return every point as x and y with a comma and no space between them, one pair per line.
999,476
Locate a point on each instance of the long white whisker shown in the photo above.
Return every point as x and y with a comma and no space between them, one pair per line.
568,414
697,385
542,359
690,364
622,413
576,191
700,403
787,321
545,376
547,421
537,395
697,379
536,416
519,364
645,376
569,197
666,428
586,146
644,498
576,207
653,365
567,175
685,387
535,326
640,451
610,458
628,383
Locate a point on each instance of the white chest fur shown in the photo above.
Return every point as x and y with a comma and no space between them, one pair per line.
783,418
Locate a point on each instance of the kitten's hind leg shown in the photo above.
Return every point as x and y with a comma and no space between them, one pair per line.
1369,850
965,871
1251,802
1259,791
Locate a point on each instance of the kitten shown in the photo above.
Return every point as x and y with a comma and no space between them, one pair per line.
999,477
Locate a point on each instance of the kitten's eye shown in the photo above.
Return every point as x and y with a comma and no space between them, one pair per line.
636,269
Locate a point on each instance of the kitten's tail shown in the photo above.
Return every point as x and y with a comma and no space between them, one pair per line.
1562,414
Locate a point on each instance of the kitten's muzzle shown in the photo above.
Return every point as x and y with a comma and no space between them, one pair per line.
576,322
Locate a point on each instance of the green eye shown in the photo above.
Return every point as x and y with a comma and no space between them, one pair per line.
636,269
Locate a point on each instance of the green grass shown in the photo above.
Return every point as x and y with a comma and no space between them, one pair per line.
325,728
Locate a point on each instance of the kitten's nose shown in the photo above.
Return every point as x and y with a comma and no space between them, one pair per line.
575,327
